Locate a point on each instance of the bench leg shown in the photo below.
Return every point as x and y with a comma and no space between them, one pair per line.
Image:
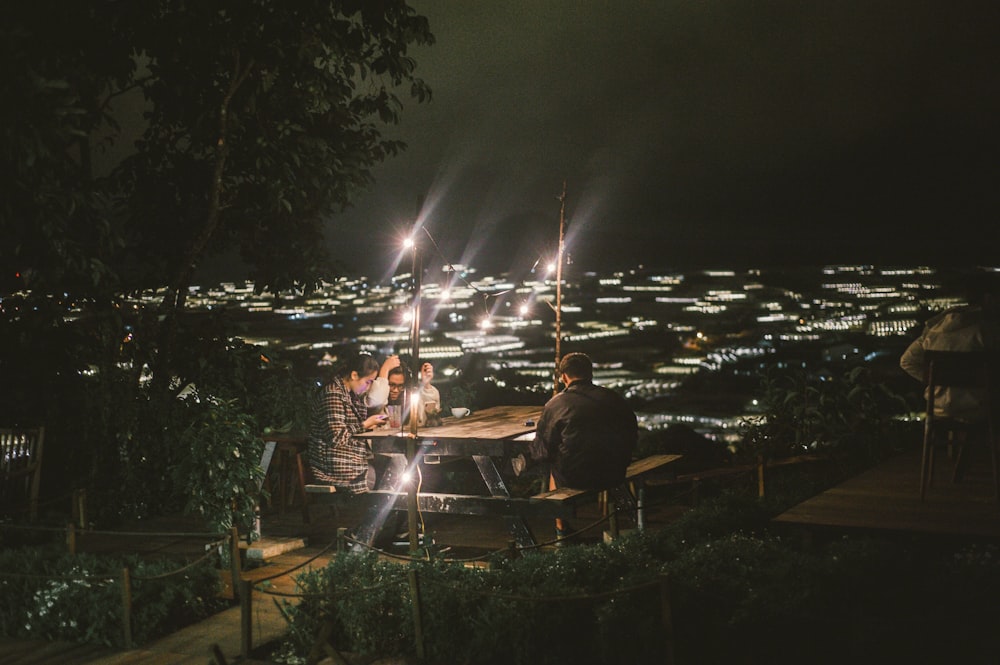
612,515
640,505
301,488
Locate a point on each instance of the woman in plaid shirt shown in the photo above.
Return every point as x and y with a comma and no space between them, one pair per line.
339,412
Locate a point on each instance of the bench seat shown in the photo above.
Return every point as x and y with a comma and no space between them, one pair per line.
558,503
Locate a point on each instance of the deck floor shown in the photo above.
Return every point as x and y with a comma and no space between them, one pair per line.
886,499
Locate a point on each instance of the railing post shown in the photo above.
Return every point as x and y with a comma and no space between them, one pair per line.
761,475
666,620
79,508
418,627
127,606
234,558
246,618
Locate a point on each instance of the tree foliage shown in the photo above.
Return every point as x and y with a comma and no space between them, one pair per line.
254,122
142,139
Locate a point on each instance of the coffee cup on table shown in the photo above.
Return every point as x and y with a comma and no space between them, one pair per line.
460,411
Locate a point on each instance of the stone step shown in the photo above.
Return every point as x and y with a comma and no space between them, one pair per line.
270,547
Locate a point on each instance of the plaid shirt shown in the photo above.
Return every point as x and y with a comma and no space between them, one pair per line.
336,457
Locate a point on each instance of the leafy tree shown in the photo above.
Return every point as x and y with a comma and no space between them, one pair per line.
141,139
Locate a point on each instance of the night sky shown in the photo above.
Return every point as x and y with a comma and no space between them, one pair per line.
704,133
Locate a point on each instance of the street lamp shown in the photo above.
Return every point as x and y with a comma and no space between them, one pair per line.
411,442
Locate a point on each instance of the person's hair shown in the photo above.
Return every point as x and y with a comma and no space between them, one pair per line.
362,363
400,369
577,366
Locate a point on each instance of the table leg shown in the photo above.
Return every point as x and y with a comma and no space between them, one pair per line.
379,511
516,524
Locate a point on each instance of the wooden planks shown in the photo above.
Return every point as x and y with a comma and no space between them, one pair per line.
498,422
886,499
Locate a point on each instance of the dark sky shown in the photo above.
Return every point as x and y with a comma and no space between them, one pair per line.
702,133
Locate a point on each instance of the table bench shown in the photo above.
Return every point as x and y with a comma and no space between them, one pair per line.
558,503
636,475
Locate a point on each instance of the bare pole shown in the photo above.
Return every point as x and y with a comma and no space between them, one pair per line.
559,267
411,442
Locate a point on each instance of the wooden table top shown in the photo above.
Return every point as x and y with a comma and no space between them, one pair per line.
496,423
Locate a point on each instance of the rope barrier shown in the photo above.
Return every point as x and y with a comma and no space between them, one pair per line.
96,532
305,563
59,578
197,562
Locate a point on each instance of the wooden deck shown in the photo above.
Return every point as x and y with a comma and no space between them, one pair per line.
886,499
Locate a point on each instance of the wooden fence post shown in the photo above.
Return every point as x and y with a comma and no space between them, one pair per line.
246,617
79,508
234,558
761,475
666,619
418,627
71,538
127,606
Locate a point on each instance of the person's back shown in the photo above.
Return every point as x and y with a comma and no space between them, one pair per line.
587,432
972,327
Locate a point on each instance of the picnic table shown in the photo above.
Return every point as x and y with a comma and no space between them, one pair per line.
486,437
489,438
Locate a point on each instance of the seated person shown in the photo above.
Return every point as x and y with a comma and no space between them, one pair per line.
378,394
429,410
971,327
335,456
586,433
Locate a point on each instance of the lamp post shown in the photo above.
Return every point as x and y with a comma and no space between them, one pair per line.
559,266
410,394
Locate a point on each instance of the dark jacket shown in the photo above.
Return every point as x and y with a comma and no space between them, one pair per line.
587,434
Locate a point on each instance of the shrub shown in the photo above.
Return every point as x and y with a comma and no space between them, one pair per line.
53,596
738,594
850,417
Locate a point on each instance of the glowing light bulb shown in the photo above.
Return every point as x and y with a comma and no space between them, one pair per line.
524,310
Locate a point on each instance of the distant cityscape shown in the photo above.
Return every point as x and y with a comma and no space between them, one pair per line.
683,347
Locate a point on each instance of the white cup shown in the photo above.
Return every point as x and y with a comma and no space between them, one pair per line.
460,412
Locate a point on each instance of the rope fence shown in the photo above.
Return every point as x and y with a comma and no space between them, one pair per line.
126,578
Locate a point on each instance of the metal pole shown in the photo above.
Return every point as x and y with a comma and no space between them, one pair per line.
411,443
418,623
559,265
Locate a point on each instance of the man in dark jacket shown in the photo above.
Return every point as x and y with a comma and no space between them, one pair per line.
586,433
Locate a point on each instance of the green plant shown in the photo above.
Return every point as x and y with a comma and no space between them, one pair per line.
849,417
219,471
47,594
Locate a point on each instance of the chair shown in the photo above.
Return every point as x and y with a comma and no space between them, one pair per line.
20,469
965,370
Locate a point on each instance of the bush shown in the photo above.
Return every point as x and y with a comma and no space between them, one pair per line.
851,418
739,594
53,596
